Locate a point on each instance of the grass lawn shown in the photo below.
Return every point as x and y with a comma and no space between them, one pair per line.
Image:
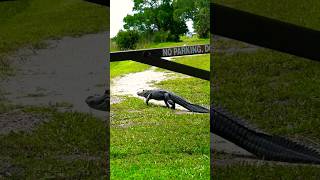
69,145
266,172
125,67
302,13
276,92
153,142
29,22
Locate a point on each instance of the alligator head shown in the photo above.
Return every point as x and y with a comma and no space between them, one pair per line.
144,93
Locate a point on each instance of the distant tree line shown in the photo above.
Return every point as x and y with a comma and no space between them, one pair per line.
163,20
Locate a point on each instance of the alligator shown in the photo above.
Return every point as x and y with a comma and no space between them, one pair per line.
98,102
264,146
225,125
172,99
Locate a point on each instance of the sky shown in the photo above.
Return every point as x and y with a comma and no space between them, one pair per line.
118,10
121,8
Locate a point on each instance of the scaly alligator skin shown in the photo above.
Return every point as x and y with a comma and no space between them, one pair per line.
101,103
262,145
170,98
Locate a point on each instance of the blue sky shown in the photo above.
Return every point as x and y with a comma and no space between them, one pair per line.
118,10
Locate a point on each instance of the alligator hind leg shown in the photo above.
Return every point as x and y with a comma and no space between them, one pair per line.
168,101
173,105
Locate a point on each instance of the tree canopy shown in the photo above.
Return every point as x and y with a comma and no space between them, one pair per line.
163,20
196,10
153,16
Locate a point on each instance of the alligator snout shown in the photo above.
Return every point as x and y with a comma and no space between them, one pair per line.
140,93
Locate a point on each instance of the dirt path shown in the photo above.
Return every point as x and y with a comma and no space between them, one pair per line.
131,83
62,74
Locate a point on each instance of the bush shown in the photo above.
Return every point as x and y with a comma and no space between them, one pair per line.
127,39
160,36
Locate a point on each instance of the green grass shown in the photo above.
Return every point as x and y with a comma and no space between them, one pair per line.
69,145
266,172
198,61
303,13
154,142
25,22
197,87
225,44
30,22
275,91
125,67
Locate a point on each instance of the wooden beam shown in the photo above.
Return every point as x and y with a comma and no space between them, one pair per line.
265,32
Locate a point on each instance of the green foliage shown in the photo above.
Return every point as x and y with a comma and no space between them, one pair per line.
160,36
154,16
198,11
127,39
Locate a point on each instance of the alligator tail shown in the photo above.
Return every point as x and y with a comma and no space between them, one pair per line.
189,106
262,145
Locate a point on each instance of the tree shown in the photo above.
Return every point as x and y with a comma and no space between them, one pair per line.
127,39
198,11
152,16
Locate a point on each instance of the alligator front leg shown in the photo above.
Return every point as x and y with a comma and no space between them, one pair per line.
148,98
166,102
